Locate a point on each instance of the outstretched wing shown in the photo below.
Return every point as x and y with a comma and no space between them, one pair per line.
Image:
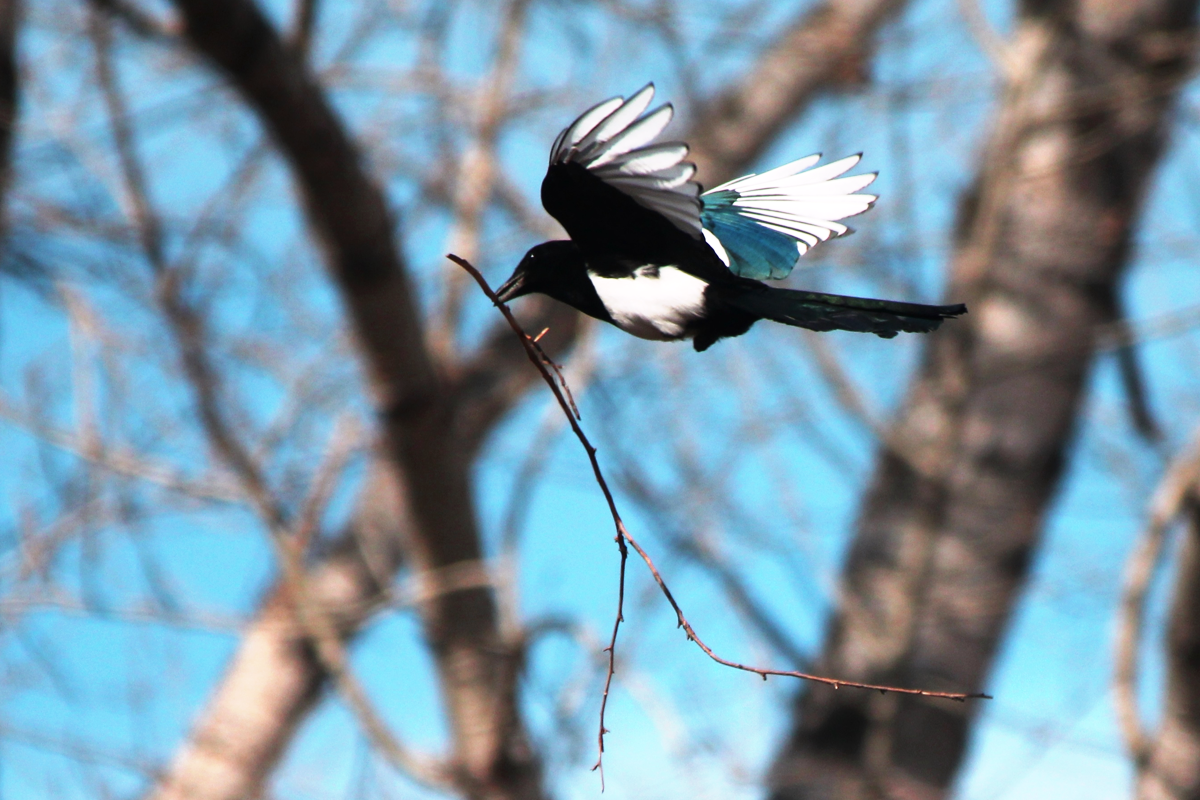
615,189
760,225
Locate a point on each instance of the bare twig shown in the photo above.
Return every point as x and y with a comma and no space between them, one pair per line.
624,538
1174,492
562,382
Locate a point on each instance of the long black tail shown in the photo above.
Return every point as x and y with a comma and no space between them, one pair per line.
833,312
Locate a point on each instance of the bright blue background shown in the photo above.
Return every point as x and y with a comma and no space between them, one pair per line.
90,701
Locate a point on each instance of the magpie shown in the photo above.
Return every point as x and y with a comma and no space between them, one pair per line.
655,255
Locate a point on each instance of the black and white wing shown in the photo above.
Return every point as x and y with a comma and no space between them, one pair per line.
614,188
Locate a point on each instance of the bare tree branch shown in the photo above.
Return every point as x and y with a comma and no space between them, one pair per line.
1176,490
305,23
825,49
477,171
1170,768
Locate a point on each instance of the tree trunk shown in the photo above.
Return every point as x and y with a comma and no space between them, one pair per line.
492,758
957,500
1172,767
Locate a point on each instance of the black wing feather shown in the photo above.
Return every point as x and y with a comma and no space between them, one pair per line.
604,220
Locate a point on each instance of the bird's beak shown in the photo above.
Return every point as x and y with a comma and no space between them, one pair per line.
512,288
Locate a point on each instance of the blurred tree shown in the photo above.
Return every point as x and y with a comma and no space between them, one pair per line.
975,455
206,380
435,406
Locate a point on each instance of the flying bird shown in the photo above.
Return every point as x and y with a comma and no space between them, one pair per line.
655,255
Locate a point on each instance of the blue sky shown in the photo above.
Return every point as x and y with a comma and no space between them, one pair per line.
122,690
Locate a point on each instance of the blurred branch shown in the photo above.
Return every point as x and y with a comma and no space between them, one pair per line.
826,48
60,603
38,545
305,21
1129,367
275,676
121,462
136,192
1174,493
989,41
1170,766
477,172
137,20
531,219
844,388
78,750
851,399
290,545
344,442
10,97
290,538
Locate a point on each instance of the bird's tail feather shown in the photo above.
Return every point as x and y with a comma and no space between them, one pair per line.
818,311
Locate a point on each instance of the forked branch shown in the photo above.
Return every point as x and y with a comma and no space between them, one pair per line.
539,360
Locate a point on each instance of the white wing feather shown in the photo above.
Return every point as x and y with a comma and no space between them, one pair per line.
801,202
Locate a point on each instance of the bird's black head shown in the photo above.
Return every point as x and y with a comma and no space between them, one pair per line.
548,268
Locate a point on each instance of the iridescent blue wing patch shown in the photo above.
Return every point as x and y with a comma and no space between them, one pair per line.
760,225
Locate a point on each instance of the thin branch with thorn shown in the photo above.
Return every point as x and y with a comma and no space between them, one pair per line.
549,362
539,360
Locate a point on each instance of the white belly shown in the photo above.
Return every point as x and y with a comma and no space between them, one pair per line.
653,303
